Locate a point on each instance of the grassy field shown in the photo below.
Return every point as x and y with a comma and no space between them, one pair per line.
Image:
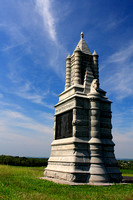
23,183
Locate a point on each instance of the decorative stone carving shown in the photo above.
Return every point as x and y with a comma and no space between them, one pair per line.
94,86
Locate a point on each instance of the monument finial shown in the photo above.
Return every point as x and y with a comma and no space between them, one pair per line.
95,53
69,56
82,34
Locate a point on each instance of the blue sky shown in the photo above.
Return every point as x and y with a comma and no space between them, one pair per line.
35,39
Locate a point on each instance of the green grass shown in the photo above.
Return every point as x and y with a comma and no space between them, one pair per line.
23,183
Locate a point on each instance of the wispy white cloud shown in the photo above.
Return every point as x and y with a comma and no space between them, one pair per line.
119,79
124,144
4,105
9,47
22,135
29,92
45,10
26,141
122,119
13,119
1,95
120,83
113,22
50,17
17,37
121,55
26,35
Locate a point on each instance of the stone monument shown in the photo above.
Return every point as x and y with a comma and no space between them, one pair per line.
82,150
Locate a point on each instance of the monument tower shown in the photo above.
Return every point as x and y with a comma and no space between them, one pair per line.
82,150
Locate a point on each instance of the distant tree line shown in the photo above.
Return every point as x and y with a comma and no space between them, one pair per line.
38,162
125,164
23,161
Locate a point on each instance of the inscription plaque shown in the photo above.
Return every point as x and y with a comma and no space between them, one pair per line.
64,125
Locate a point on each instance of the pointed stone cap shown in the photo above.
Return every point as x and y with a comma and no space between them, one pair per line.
95,53
69,56
82,45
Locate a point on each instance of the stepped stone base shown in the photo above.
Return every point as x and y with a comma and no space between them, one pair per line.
59,181
70,163
70,177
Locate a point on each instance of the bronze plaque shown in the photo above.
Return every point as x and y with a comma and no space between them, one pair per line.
64,125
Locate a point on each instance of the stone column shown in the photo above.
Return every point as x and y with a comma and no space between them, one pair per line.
110,161
77,66
97,170
68,72
95,64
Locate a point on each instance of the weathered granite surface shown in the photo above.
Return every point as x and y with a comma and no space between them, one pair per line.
82,150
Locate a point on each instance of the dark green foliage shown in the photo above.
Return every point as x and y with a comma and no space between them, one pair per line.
125,164
23,161
38,162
